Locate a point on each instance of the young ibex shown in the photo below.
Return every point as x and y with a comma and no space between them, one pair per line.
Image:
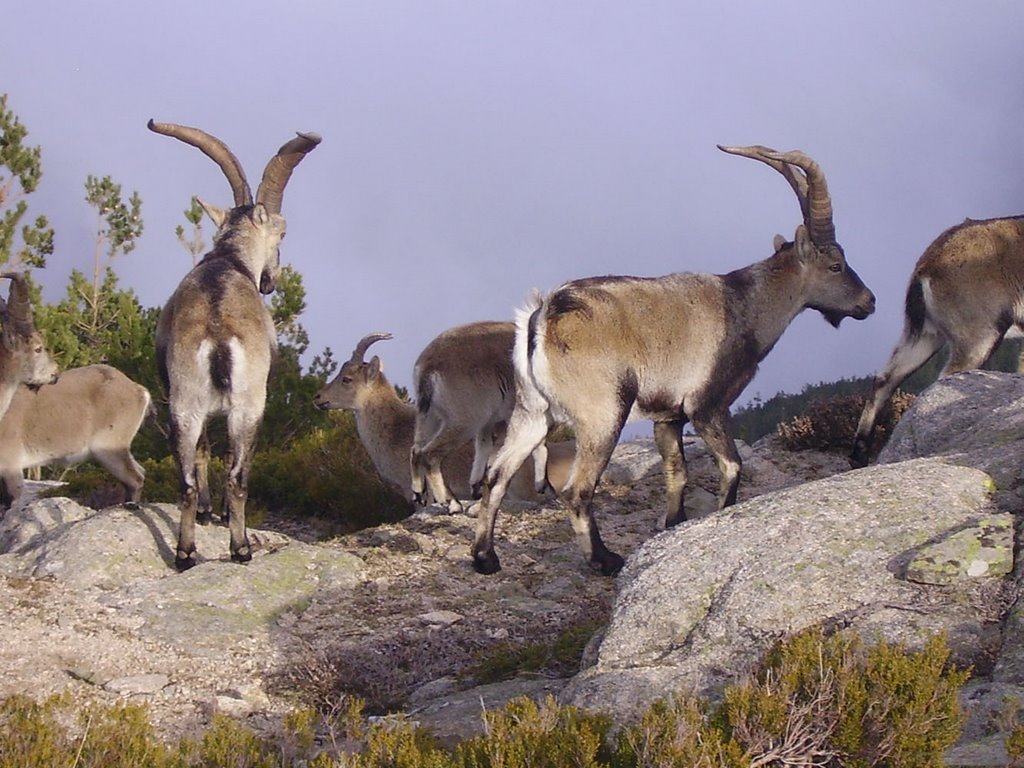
967,291
671,349
24,358
386,424
91,412
465,389
215,339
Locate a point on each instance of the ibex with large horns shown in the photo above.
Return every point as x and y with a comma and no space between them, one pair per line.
215,339
672,349
24,358
967,292
386,425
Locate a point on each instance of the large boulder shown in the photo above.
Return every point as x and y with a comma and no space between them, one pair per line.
700,604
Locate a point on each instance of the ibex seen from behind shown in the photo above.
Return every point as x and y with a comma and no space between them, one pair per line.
24,358
967,292
465,390
215,339
91,412
386,424
672,349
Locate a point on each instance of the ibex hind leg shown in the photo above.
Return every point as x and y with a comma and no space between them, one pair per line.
123,466
185,435
910,354
526,431
593,450
242,438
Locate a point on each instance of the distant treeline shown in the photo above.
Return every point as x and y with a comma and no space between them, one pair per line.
761,417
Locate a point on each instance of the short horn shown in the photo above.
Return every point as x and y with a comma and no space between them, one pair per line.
364,344
16,312
769,156
275,176
818,214
216,150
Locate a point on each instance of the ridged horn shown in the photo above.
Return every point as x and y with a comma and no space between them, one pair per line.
16,312
364,344
275,176
810,186
216,150
819,203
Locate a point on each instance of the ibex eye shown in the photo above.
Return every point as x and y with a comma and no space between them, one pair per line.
346,379
837,267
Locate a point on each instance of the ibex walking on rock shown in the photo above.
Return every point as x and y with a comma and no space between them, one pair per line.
215,338
966,291
671,349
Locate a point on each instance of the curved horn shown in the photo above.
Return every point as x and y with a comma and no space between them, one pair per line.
769,156
364,344
216,150
16,312
279,169
818,215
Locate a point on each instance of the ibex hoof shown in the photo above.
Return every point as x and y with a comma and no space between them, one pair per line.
486,562
609,564
859,458
477,490
205,517
244,555
183,562
419,498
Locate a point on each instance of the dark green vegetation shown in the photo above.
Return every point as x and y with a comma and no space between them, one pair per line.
762,417
814,700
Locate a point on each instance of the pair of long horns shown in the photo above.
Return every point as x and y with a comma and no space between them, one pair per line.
275,176
810,187
16,312
364,343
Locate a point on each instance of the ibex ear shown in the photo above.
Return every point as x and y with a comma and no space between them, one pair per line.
260,215
217,215
374,368
779,242
805,249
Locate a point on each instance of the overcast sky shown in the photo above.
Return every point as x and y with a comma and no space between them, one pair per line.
473,151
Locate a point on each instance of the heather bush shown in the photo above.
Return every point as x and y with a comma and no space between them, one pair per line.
829,425
813,701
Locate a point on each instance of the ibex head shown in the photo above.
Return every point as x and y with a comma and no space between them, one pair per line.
344,390
832,287
26,359
256,229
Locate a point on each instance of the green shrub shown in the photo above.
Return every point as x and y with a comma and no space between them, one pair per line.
813,701
327,474
525,734
829,425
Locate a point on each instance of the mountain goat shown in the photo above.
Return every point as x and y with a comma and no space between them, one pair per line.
967,291
465,389
92,412
673,349
386,425
215,339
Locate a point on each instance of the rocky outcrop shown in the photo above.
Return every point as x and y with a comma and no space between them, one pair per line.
920,543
